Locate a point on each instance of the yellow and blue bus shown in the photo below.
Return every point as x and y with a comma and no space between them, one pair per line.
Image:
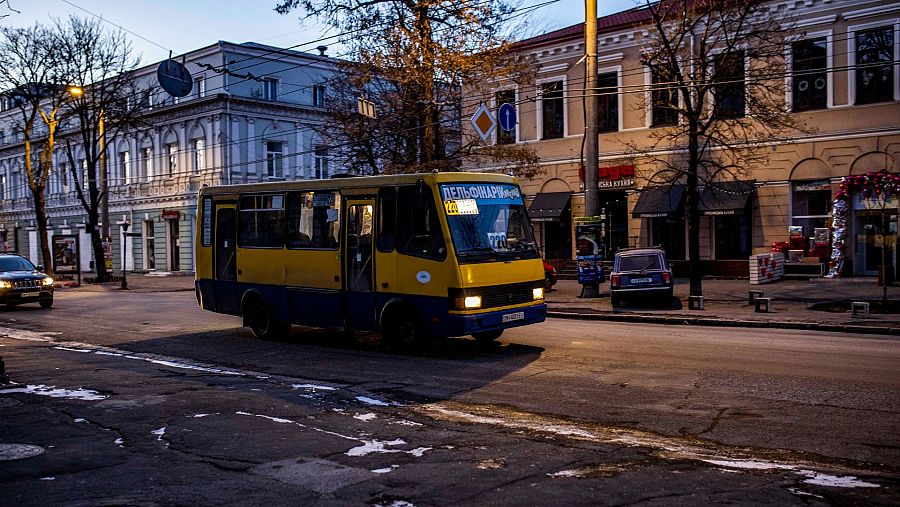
414,256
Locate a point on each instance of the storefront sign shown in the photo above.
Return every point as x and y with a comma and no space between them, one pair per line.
170,213
812,186
617,176
876,203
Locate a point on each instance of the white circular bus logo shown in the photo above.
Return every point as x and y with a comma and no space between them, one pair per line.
423,276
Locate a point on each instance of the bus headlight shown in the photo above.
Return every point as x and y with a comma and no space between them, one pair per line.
537,293
472,302
47,281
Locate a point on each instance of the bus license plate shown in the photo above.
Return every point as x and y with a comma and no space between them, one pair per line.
30,294
509,317
641,280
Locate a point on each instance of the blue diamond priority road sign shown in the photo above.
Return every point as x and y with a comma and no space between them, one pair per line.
506,117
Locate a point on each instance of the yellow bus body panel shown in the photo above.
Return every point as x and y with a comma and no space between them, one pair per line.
312,268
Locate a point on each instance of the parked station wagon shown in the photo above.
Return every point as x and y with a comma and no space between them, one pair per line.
640,272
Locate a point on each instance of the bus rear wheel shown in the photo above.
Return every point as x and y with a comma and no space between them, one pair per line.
259,319
487,336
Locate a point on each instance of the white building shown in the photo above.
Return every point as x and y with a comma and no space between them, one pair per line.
232,128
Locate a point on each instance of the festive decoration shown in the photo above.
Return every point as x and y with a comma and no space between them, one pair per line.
873,185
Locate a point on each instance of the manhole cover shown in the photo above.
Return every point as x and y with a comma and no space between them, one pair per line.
9,452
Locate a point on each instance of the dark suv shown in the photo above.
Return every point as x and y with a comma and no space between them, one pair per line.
641,272
21,282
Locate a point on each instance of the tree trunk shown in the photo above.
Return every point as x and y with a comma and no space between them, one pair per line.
41,216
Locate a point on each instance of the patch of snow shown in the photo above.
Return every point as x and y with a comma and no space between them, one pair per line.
372,401
396,503
274,419
53,392
80,420
48,478
370,446
567,473
313,386
750,464
73,350
404,422
201,415
159,433
365,417
119,442
419,451
834,481
804,493
384,470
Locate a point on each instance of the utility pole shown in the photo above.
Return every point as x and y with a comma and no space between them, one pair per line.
591,152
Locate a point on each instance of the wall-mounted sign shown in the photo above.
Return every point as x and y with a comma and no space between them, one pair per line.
65,253
617,176
170,213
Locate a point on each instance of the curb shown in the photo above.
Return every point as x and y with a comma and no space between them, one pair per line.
715,322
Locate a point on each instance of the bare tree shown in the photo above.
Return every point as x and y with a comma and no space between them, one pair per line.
412,58
718,91
6,8
29,74
101,65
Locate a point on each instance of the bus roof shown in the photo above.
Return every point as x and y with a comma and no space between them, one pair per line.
358,182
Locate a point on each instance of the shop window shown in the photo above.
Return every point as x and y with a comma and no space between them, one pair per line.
809,88
261,221
312,219
729,90
733,240
552,110
504,97
668,233
875,65
664,100
810,205
608,89
418,228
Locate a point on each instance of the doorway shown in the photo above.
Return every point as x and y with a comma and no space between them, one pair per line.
869,241
358,268
173,244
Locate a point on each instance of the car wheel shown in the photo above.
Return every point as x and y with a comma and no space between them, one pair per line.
487,336
46,303
615,300
548,283
259,319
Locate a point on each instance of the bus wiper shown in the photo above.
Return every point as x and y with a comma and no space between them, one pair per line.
479,252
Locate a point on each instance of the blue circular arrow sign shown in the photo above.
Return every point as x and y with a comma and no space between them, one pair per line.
506,117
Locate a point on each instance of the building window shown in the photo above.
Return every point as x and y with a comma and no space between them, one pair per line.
199,155
275,159
504,97
730,87
172,151
608,89
63,177
125,166
668,232
3,186
875,65
84,174
810,205
733,236
664,100
553,118
318,92
809,62
199,87
270,88
261,221
320,162
148,162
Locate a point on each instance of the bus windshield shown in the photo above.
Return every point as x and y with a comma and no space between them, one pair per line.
488,222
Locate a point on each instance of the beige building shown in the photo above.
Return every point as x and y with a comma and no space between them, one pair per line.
852,113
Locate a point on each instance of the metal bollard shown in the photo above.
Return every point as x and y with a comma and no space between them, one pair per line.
753,295
859,310
695,302
763,305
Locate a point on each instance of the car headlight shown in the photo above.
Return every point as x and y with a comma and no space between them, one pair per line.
5,285
472,302
47,281
537,293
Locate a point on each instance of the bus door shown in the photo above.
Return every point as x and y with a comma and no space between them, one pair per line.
359,301
225,261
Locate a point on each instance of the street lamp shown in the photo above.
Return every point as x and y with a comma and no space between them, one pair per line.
125,226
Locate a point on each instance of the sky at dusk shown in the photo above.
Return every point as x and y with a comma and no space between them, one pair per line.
184,25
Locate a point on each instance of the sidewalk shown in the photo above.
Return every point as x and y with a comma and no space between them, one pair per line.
726,304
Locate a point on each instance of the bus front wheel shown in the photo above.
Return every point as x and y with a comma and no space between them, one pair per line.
487,336
259,319
406,330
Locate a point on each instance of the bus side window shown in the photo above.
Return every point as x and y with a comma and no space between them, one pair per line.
387,218
261,221
312,219
418,227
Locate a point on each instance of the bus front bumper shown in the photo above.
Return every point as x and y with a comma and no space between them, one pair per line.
461,325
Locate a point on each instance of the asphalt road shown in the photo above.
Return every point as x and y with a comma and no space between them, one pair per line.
160,403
